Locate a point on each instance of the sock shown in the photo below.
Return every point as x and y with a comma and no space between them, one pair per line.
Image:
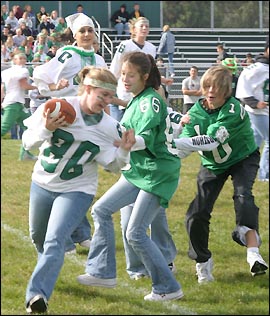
253,249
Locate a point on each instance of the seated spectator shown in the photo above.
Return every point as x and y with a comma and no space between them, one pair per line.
52,51
4,15
18,38
54,17
13,21
27,20
46,24
222,54
5,33
18,11
248,60
41,40
136,13
41,12
32,17
10,44
26,31
61,26
120,20
5,56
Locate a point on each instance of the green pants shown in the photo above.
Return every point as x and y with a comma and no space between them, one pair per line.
13,113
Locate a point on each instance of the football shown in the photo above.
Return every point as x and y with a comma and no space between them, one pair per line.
61,105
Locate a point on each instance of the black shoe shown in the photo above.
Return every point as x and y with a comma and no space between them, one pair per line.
37,305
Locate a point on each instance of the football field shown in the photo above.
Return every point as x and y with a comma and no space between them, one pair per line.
234,291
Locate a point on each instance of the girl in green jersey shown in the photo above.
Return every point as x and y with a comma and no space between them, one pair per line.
149,181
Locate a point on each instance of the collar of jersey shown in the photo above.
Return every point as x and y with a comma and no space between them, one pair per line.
80,52
92,119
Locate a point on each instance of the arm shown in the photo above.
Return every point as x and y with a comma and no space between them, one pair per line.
192,92
25,85
2,92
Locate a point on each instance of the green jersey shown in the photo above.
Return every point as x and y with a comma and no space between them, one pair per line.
156,168
229,126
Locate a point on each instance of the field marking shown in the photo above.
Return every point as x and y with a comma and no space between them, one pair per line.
74,259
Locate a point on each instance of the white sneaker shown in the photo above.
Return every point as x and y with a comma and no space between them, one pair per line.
164,297
86,243
88,279
137,276
204,271
257,264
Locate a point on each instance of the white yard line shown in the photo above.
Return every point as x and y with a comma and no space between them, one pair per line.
74,259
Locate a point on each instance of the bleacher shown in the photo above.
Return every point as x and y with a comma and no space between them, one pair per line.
198,47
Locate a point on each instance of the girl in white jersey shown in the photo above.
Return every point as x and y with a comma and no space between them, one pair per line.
58,77
149,181
64,180
139,29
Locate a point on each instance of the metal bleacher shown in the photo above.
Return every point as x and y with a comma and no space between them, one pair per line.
198,47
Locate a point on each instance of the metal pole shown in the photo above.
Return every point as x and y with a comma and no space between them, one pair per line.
260,15
212,16
60,8
109,13
161,13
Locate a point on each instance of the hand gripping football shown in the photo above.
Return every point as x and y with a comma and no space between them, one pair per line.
61,105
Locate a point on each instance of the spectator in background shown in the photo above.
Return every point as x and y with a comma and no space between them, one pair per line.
4,15
253,90
41,12
46,24
54,18
248,60
18,11
96,46
167,46
222,54
191,89
5,33
120,20
12,21
18,38
136,13
33,18
27,20
79,8
231,64
61,26
26,31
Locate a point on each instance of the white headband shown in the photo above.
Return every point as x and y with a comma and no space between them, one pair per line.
78,20
99,84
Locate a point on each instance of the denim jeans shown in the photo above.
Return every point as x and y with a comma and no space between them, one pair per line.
52,218
260,126
159,233
122,27
101,261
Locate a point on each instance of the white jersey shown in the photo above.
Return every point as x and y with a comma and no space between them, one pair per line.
13,91
254,82
123,48
67,63
69,157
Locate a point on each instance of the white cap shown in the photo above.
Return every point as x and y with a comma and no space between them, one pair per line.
78,20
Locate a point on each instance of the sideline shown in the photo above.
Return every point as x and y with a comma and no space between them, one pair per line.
74,259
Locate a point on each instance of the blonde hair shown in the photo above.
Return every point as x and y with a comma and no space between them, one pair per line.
220,78
133,22
97,73
166,28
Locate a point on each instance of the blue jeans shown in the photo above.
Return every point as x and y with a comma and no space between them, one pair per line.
116,113
122,27
52,217
260,126
170,61
101,261
159,233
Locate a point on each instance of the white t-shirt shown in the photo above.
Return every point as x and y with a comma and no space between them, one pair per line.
69,157
67,63
13,91
191,84
123,48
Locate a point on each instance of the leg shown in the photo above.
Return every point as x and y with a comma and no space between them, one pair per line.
11,114
170,59
59,222
144,212
247,213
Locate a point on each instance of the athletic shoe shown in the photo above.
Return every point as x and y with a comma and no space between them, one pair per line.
172,267
164,297
37,304
257,265
87,279
137,276
86,243
204,271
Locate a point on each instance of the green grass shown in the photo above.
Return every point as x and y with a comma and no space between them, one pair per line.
234,291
